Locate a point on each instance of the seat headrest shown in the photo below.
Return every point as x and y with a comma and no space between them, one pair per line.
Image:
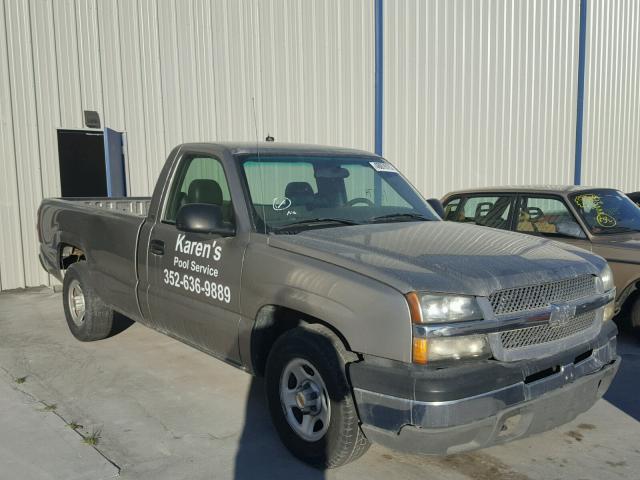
300,193
205,191
297,188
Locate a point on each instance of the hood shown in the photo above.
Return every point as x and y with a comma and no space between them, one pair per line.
624,248
629,240
442,256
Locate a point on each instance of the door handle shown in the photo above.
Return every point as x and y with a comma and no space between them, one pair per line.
156,247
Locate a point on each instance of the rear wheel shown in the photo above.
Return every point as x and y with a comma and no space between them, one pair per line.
87,315
310,400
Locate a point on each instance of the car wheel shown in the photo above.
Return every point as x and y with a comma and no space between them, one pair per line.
310,400
635,316
87,315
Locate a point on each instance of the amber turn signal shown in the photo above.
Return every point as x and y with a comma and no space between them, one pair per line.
414,307
420,350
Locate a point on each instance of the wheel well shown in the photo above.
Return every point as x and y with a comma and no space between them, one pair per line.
629,294
271,322
70,254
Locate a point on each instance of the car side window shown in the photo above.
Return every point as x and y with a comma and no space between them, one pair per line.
547,216
199,179
489,211
451,210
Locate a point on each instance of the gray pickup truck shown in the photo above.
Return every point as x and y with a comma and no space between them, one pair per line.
325,271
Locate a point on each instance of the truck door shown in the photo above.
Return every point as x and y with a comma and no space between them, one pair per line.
194,279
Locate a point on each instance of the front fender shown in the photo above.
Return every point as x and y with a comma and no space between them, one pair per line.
372,317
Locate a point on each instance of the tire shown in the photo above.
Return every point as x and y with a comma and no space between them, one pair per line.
635,316
88,317
311,361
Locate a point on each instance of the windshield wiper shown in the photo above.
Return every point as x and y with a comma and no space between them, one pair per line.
406,217
313,222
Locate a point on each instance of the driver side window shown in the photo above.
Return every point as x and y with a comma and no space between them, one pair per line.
199,179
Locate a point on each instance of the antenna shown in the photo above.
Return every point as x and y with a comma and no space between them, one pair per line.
255,119
255,125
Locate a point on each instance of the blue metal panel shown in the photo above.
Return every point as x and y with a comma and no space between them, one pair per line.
577,173
379,46
114,161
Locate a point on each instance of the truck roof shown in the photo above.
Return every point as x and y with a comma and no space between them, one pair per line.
275,148
560,189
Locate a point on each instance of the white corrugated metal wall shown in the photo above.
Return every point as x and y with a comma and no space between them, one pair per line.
476,92
480,92
168,72
611,139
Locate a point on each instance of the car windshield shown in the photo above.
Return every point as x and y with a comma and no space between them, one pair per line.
607,211
290,193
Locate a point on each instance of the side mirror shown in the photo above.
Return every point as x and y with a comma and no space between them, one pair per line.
202,218
437,206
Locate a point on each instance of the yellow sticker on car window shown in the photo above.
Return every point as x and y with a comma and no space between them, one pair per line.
590,201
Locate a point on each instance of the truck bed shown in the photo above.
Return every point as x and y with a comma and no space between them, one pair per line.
106,230
138,206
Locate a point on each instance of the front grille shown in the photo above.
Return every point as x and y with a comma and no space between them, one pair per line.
539,296
539,334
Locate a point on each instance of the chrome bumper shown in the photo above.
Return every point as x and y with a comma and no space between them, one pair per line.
493,417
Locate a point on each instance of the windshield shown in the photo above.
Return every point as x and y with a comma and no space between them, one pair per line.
607,211
294,193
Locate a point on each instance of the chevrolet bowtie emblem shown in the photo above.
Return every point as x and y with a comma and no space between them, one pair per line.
561,314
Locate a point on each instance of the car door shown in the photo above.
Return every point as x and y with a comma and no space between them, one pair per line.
548,216
194,279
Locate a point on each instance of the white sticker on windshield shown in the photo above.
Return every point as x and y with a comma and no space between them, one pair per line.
383,167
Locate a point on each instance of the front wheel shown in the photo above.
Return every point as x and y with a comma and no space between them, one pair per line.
635,316
310,400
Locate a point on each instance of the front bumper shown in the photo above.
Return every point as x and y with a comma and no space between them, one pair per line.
530,406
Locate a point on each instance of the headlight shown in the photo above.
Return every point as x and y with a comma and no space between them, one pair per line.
606,275
427,350
430,308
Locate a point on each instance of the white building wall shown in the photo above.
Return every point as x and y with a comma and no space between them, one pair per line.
481,92
476,92
611,138
166,72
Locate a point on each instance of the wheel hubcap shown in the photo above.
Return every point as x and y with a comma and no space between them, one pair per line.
76,303
304,400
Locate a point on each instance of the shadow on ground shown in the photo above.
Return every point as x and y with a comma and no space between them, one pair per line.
623,390
120,324
260,452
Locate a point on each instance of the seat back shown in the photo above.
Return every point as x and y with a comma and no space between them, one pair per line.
300,193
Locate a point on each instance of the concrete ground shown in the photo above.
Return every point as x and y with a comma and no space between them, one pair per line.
161,410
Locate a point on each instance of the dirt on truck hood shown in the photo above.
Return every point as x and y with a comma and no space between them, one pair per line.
442,256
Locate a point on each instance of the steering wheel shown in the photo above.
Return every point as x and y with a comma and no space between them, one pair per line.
355,201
